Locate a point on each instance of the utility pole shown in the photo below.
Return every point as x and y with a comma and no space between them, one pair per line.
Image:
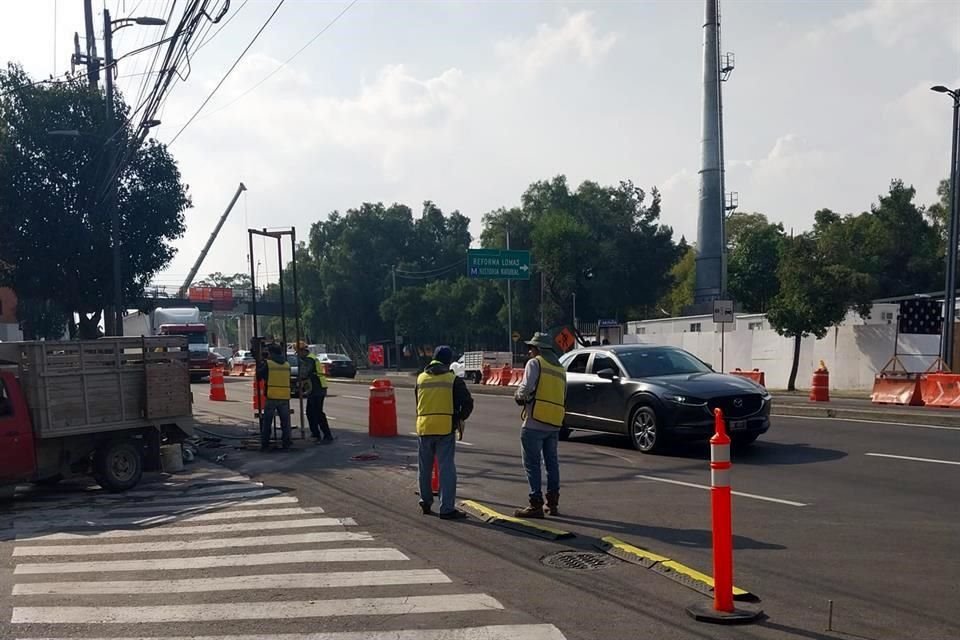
110,200
93,62
953,234
396,333
509,305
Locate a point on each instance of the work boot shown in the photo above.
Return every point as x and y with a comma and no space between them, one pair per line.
553,499
535,510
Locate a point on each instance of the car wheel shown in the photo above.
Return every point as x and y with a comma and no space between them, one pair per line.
565,433
744,439
644,431
118,465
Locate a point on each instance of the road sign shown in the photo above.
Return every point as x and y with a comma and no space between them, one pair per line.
565,340
723,311
498,264
607,323
516,336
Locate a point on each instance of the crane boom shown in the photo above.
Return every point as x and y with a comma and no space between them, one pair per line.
206,247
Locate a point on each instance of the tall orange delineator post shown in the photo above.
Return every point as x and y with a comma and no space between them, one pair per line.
721,508
217,390
435,479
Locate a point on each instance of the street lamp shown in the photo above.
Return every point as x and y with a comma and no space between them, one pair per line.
109,27
950,293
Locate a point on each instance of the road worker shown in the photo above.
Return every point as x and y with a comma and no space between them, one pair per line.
314,388
275,372
443,404
542,393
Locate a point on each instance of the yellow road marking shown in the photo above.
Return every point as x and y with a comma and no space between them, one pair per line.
490,513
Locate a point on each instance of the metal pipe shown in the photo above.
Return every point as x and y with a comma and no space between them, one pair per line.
950,290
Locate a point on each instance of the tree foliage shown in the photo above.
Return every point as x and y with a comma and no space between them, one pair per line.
55,230
683,275
752,264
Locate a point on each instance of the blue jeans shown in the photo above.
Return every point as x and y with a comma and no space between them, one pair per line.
282,408
536,445
442,448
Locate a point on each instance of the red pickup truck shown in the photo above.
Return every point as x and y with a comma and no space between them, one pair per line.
98,407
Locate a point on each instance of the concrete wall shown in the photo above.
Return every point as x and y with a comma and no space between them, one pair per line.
853,353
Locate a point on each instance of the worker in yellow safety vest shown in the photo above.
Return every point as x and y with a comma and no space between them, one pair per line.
275,372
314,389
443,404
542,394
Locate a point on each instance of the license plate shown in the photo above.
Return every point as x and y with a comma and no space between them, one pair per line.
738,425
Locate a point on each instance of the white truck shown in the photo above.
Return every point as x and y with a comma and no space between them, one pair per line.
176,321
470,364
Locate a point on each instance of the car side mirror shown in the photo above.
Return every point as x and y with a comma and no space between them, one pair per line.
607,374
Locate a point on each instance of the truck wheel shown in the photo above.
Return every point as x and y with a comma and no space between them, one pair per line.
118,465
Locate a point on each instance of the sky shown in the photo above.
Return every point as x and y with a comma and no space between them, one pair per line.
467,103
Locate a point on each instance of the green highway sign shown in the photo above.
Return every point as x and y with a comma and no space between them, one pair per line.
498,264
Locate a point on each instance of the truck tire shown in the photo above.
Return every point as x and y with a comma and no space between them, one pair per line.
118,465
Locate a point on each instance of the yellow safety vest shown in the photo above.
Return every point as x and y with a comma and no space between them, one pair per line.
278,380
549,396
318,368
435,404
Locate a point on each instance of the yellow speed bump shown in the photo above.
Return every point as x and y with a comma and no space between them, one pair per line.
490,516
663,565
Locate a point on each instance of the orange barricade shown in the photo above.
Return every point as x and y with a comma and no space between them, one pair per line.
756,375
259,396
217,390
250,369
505,374
897,388
237,370
940,389
820,384
895,385
382,409
516,377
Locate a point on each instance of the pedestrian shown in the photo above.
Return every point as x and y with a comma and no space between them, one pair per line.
443,404
275,372
542,393
314,387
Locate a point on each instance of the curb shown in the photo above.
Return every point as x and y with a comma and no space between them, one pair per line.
691,578
820,410
489,516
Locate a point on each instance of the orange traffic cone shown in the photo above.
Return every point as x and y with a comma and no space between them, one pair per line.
435,480
217,391
259,396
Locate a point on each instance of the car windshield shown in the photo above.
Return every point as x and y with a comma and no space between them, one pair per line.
337,357
646,363
196,338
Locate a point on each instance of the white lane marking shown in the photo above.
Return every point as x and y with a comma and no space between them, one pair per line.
190,545
611,453
152,521
333,579
173,501
895,424
56,517
492,632
934,460
736,493
106,500
207,562
355,397
168,531
275,610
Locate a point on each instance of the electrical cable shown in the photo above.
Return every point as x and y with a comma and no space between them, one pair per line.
229,71
203,43
285,62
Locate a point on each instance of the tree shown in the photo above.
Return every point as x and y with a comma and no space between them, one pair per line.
939,212
752,265
740,223
683,274
814,294
54,228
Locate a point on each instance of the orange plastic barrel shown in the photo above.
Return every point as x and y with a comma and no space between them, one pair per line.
382,421
820,385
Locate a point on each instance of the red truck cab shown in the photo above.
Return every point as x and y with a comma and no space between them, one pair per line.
201,360
18,461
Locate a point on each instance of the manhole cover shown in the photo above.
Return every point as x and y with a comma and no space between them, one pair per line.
581,560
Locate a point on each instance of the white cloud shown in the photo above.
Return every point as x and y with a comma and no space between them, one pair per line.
577,35
897,22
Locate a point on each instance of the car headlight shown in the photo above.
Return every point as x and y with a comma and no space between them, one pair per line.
765,395
686,401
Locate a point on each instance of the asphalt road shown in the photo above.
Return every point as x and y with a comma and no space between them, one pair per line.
822,514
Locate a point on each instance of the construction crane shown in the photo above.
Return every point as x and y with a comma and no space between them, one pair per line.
213,236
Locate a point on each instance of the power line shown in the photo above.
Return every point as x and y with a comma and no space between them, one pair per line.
227,74
204,42
288,60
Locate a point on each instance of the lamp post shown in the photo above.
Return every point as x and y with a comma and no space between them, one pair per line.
109,27
953,230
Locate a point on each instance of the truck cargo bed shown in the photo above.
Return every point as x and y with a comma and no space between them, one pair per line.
79,387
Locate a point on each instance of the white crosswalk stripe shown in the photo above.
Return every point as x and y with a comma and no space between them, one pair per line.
283,563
